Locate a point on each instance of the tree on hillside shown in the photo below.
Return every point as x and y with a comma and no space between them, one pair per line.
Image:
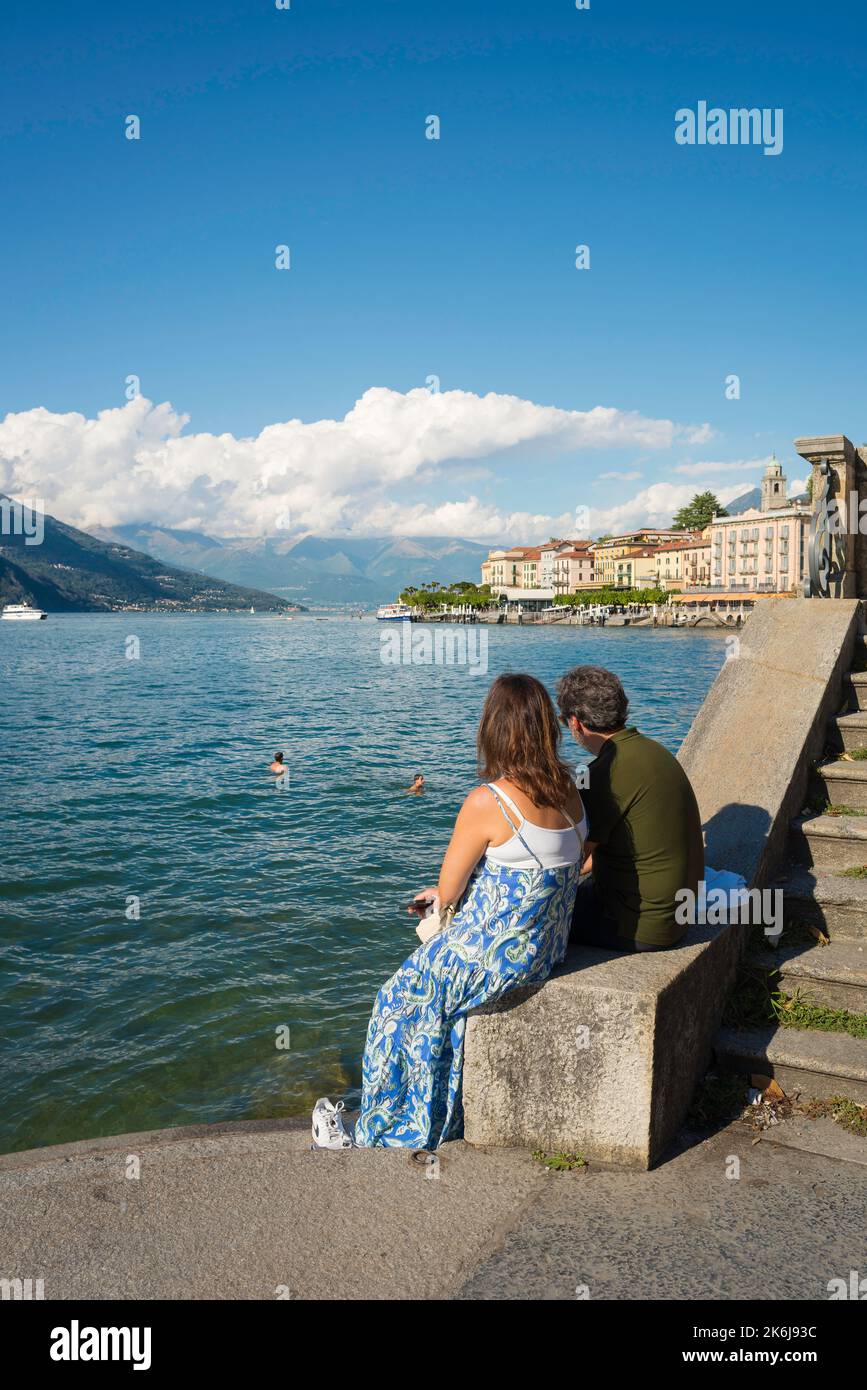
698,512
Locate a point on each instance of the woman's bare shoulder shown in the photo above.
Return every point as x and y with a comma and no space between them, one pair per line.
478,802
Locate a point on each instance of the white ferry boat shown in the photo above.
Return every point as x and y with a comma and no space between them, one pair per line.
393,613
21,613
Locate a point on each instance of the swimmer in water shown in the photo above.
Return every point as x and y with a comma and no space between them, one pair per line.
417,786
277,766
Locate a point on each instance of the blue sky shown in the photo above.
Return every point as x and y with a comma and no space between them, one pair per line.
412,257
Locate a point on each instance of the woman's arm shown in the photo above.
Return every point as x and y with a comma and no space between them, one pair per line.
470,838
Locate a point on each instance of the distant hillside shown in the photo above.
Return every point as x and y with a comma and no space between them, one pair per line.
74,572
746,502
314,568
753,499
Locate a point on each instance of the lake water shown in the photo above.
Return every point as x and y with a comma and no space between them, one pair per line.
259,909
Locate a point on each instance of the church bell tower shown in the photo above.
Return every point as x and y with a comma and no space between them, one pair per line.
774,486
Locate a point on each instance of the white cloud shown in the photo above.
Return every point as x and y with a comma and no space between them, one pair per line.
699,470
134,463
471,519
653,506
622,477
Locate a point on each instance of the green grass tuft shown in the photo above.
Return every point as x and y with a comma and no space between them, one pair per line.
844,1112
800,1011
560,1162
753,1003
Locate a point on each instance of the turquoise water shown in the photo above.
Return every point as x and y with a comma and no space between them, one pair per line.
259,909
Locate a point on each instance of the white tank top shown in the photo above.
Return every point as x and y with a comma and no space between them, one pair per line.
533,846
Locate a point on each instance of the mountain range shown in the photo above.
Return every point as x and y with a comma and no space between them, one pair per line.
321,569
753,499
71,571
312,569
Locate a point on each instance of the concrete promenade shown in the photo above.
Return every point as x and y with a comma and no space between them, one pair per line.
248,1211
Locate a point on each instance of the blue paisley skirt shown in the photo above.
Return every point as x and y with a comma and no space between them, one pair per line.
511,929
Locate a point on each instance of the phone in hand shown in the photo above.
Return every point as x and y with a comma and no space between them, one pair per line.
422,907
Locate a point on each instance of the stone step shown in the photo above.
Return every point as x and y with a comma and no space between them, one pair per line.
844,783
829,842
858,688
848,731
838,905
812,1063
835,975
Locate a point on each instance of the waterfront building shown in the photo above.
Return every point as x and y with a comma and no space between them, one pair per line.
686,561
608,554
548,554
574,569
765,548
505,567
532,566
634,570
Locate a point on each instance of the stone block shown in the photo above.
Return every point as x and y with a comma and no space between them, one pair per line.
604,1057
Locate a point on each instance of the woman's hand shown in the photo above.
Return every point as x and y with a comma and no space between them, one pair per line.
423,897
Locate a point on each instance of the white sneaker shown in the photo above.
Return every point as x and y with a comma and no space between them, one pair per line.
327,1128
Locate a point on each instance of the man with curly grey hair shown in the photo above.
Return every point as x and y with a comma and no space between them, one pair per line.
645,837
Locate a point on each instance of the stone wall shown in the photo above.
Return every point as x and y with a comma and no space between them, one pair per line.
749,750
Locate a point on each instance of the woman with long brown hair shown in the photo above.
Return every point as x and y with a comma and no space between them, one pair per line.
505,896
